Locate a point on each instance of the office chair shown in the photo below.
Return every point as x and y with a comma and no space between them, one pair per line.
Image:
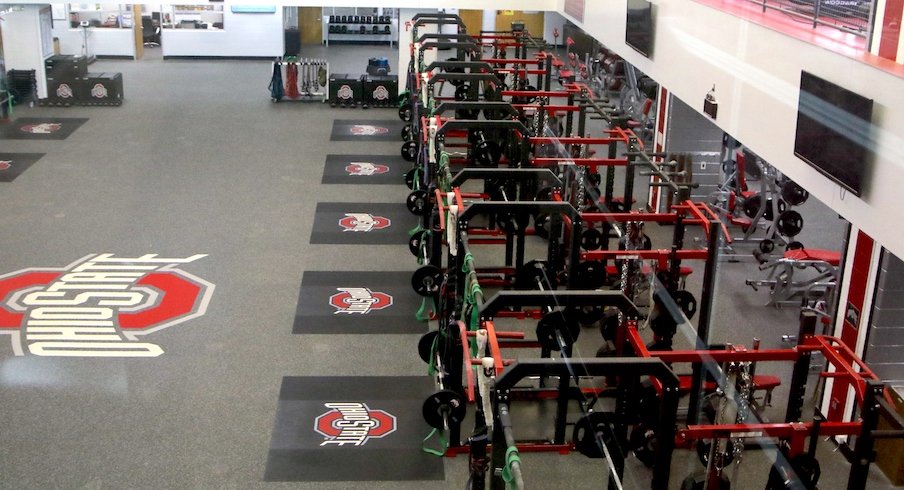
149,32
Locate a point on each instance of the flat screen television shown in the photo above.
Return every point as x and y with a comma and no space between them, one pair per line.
639,26
834,131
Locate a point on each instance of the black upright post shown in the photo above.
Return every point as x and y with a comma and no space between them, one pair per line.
703,335
798,388
864,450
665,436
569,116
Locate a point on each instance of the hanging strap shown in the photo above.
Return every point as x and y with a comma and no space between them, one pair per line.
442,443
511,456
427,311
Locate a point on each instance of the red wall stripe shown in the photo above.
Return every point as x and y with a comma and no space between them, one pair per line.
859,282
891,29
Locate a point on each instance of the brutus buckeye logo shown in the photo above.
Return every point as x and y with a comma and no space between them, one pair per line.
43,128
363,222
64,91
353,424
5,164
380,93
359,300
99,91
368,130
366,168
345,92
99,306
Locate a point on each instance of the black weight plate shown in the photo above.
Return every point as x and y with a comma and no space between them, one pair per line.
589,275
462,92
409,178
594,430
406,132
541,225
807,469
405,113
427,280
444,403
703,447
591,239
752,205
560,322
544,194
425,345
794,246
418,202
642,442
766,246
687,302
409,151
416,243
790,223
487,153
531,273
794,194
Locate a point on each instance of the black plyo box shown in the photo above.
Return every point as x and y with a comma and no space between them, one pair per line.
381,90
63,66
102,89
345,89
65,91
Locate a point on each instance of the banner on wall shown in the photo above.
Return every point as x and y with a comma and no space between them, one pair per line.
575,8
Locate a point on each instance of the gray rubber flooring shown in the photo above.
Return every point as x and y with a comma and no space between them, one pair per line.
199,161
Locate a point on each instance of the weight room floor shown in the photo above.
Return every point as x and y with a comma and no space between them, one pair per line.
199,161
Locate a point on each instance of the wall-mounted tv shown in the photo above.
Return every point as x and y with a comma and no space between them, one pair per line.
639,26
834,131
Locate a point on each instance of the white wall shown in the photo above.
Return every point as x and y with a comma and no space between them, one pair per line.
756,72
243,35
101,41
22,43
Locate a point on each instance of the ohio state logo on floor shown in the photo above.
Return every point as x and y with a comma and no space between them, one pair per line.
43,128
100,305
363,222
353,424
359,300
5,164
368,130
366,168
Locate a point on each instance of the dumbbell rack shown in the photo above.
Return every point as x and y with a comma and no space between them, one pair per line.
349,30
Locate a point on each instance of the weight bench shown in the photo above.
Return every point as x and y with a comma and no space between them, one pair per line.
785,289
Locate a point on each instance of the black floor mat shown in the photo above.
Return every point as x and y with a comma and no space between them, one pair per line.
357,302
367,130
362,223
41,128
365,169
366,428
13,164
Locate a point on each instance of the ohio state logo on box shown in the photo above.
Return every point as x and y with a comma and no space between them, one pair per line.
43,128
353,424
99,91
368,130
99,306
363,222
64,91
345,92
380,93
359,300
366,168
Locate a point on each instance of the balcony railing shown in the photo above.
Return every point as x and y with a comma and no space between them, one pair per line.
853,16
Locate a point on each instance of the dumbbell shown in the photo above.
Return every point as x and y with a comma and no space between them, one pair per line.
485,152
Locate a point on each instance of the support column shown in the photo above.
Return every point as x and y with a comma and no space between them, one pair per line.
858,283
659,138
489,20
